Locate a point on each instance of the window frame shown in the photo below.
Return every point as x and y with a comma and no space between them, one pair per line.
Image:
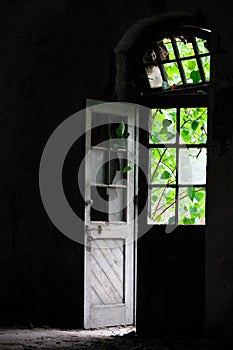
177,146
165,101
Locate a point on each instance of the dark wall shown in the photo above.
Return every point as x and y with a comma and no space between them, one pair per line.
219,231
54,54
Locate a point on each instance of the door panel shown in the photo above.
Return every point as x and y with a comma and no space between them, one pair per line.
109,214
171,267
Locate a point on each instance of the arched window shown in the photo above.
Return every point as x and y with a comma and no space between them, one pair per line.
178,61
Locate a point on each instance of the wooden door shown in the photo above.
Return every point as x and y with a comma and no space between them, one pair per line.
109,217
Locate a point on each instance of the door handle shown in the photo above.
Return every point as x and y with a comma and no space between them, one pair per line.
89,202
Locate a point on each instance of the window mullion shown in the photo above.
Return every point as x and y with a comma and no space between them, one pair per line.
177,165
199,63
161,67
179,63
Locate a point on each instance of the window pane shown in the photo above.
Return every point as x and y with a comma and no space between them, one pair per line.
169,47
192,166
154,76
99,133
173,73
163,126
202,45
116,167
152,70
191,206
162,205
163,165
193,125
191,66
98,166
185,48
206,65
99,195
117,202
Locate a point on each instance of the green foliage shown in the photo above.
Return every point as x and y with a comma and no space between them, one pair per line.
187,53
163,128
122,134
192,206
195,76
173,73
193,130
126,169
163,205
194,125
168,44
191,193
120,130
165,175
185,48
206,66
193,122
163,165
201,43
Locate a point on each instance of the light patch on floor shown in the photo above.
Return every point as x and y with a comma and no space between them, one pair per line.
39,338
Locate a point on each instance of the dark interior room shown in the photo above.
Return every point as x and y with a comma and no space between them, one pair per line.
116,223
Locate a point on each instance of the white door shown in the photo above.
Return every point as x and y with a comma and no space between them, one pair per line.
109,216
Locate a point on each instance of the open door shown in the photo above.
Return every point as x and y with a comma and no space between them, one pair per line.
109,291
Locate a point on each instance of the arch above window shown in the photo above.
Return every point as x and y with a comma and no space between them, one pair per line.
167,53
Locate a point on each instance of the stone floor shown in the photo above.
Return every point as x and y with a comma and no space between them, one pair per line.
114,338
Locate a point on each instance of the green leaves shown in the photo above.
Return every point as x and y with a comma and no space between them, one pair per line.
194,125
163,165
191,193
193,210
192,206
126,169
163,205
120,130
165,175
166,123
122,134
163,125
195,76
191,64
185,135
199,196
173,73
188,221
